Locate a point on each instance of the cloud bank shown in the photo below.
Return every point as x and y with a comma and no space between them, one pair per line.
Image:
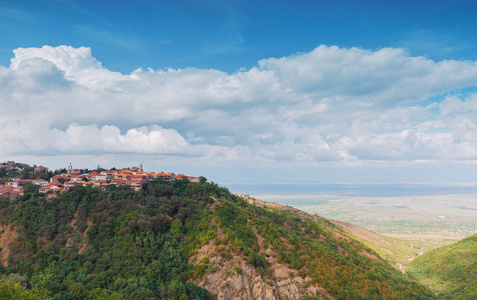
344,105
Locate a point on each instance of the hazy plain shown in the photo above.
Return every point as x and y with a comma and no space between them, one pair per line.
405,211
448,215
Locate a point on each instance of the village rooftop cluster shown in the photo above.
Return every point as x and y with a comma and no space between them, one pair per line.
51,184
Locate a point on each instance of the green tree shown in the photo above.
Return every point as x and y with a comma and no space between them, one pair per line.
176,227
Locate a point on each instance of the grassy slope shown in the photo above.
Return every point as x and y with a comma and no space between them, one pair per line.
450,270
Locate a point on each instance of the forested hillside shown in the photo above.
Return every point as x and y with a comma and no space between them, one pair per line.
182,240
450,270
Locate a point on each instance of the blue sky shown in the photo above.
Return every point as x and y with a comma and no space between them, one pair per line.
244,91
229,35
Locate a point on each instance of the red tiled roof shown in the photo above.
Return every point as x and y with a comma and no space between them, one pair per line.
194,179
60,175
110,171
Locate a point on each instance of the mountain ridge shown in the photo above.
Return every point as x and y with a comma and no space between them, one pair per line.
169,239
450,270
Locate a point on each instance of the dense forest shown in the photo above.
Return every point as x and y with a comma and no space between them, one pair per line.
119,243
451,270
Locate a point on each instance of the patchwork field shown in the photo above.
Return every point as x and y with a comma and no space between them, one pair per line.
424,221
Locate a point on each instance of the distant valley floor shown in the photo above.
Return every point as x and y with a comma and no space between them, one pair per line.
435,219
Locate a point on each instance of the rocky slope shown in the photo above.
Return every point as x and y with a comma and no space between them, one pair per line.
302,255
234,278
8,234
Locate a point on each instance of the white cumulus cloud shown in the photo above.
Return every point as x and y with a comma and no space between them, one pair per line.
335,104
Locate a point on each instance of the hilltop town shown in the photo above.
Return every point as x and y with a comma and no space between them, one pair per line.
15,176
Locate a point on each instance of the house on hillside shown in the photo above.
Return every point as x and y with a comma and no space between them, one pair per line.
20,182
110,174
165,176
75,172
190,178
54,194
142,178
87,183
193,179
72,183
9,193
62,176
122,176
40,169
51,195
135,184
181,177
50,187
101,184
95,176
15,183
77,178
39,182
4,191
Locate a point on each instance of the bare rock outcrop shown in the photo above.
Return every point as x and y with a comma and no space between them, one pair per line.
231,277
8,234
